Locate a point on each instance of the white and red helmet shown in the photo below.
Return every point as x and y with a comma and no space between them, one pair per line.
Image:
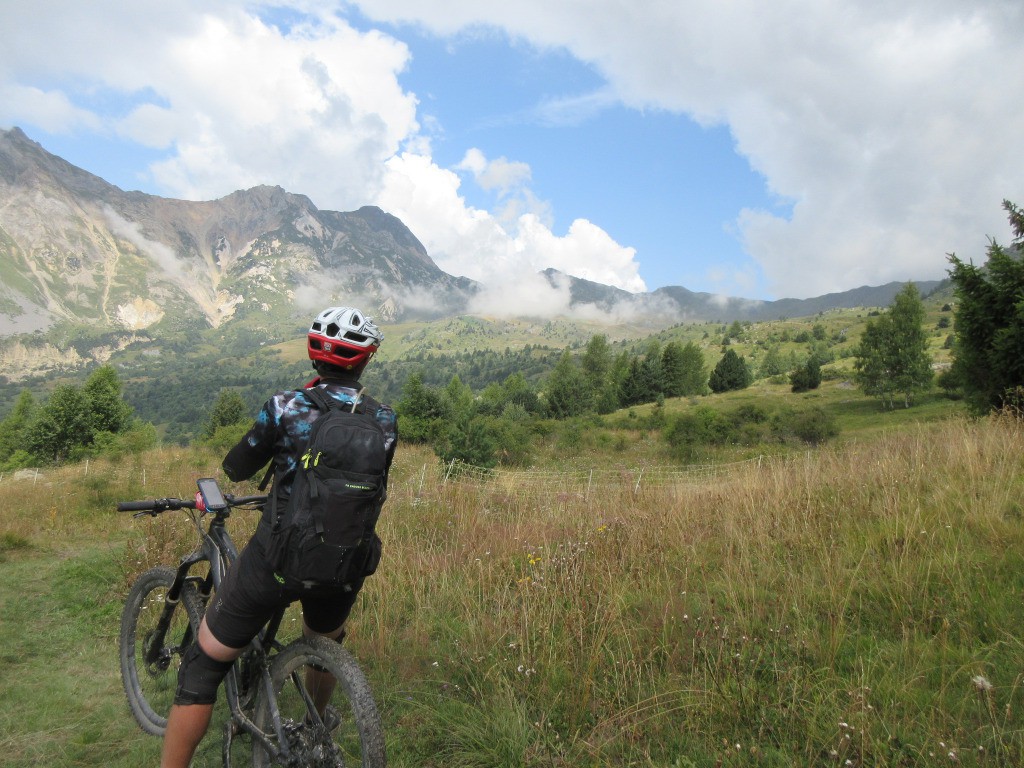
343,336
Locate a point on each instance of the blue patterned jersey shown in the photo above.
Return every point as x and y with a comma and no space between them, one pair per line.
281,433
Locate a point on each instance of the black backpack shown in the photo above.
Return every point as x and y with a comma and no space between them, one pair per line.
325,538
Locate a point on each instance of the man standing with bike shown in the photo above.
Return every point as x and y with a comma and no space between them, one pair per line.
340,342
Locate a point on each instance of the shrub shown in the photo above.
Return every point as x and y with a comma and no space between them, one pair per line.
814,426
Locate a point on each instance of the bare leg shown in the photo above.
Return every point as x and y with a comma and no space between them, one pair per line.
321,684
187,723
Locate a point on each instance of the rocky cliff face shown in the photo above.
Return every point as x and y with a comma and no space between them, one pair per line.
75,248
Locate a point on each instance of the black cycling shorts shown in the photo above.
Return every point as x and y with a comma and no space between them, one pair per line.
249,594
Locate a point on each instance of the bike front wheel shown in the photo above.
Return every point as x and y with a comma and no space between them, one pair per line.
150,655
348,733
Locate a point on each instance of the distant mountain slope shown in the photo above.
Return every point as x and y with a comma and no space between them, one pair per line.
76,248
674,304
88,270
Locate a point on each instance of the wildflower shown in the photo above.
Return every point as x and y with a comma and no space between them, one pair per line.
981,683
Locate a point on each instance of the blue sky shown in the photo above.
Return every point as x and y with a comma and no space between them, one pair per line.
793,150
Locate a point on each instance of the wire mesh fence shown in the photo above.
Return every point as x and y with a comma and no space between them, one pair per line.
590,479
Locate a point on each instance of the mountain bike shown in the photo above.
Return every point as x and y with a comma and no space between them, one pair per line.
266,690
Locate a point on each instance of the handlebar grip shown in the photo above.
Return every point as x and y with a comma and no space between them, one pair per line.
155,505
136,506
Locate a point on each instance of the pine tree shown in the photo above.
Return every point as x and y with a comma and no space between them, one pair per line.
596,363
771,364
988,351
731,372
673,369
422,411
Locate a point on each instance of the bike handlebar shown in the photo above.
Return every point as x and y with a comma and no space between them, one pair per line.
156,506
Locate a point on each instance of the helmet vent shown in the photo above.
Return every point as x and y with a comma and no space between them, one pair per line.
317,326
332,330
356,337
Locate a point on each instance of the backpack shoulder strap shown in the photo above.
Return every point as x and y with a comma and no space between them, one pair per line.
320,401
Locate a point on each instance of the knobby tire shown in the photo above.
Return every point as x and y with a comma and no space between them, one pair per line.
357,738
150,687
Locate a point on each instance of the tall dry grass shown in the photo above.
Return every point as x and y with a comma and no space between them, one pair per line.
856,605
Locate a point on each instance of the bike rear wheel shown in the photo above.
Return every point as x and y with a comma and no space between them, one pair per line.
150,685
350,733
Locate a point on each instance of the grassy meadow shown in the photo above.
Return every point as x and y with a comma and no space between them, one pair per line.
858,604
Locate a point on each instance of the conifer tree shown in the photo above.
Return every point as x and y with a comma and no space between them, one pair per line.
731,372
673,369
988,351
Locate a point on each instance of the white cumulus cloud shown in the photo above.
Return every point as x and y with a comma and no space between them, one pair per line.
890,127
235,100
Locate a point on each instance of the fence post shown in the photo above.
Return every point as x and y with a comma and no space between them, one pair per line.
636,489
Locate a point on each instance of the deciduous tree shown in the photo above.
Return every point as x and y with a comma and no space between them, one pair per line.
892,357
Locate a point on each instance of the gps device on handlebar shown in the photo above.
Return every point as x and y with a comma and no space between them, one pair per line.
211,493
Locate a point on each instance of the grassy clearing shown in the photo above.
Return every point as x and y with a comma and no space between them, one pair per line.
856,605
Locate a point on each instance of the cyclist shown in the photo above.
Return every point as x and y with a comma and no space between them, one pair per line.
340,342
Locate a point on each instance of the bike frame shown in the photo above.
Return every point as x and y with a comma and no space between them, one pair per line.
218,549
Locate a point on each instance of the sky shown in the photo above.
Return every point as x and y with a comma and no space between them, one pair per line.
735,147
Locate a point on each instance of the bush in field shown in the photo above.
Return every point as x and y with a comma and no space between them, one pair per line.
688,433
469,439
807,377
814,426
422,411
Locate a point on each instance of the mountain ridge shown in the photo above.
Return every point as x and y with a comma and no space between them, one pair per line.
82,259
